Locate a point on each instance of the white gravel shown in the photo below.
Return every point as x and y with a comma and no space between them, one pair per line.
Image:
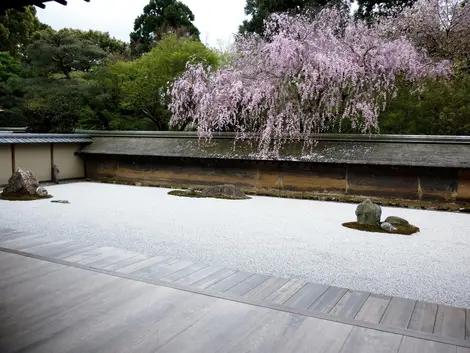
280,237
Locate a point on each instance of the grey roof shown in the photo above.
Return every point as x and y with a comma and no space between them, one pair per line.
19,138
408,152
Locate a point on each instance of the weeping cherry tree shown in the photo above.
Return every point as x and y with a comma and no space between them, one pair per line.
305,75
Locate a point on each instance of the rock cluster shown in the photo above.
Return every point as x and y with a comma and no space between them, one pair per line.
368,213
24,183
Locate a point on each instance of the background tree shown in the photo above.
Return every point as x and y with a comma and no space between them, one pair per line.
309,75
11,93
63,52
371,10
442,27
149,77
160,17
260,10
110,45
17,29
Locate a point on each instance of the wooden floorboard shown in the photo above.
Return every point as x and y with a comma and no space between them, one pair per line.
74,310
328,300
286,291
424,317
350,304
399,312
197,276
450,322
415,345
370,341
373,308
290,294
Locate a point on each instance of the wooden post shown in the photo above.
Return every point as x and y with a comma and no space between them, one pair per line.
13,160
52,162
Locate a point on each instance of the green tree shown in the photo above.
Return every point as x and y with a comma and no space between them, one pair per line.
259,11
11,93
17,29
370,10
104,41
442,108
63,52
160,17
149,77
53,105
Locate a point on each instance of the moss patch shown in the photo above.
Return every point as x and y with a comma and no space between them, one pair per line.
405,230
197,194
25,197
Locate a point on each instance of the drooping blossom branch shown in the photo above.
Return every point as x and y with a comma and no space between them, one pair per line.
442,27
308,74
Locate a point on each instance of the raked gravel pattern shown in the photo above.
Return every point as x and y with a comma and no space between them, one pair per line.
280,237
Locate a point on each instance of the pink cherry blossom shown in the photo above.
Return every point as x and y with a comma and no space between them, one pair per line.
303,76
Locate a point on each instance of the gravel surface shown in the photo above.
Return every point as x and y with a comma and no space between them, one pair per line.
280,237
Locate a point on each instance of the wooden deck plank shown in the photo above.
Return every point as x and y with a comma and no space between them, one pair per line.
266,288
267,335
15,275
374,308
362,340
231,319
127,262
20,237
141,264
247,284
315,336
415,345
286,291
450,322
157,326
105,253
306,296
104,319
50,249
230,281
463,350
196,276
27,241
423,317
467,324
328,300
350,304
112,259
86,254
183,272
398,313
169,269
163,264
213,278
75,249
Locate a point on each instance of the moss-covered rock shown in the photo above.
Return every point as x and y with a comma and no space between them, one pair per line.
400,229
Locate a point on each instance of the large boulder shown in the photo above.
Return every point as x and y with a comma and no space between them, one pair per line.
397,221
229,191
23,183
368,213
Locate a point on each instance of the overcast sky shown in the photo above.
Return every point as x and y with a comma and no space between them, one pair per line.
216,19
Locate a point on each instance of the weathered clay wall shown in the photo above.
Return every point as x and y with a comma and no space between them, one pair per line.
413,183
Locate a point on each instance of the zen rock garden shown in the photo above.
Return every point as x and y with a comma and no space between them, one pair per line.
369,219
228,191
24,186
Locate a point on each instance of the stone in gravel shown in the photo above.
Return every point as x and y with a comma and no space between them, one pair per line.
41,191
230,191
368,213
397,221
22,183
60,201
388,227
